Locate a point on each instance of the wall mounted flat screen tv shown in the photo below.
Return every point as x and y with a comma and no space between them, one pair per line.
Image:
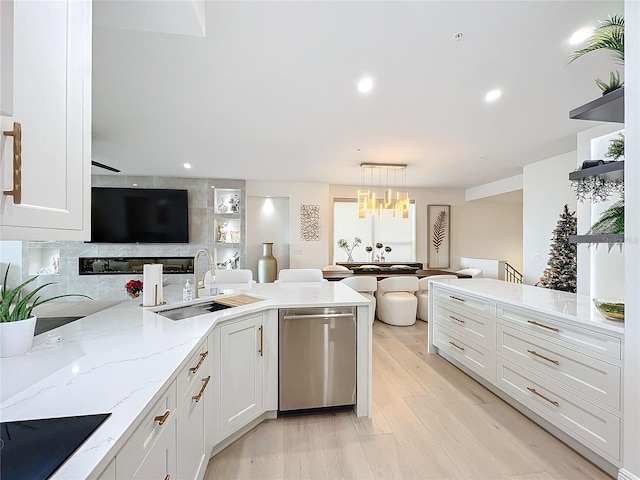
139,215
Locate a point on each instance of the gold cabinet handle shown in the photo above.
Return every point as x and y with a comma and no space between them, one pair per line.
533,390
457,346
16,133
533,352
162,418
168,477
456,319
201,392
456,298
543,326
202,357
261,340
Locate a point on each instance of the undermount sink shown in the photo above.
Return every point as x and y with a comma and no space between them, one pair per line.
188,311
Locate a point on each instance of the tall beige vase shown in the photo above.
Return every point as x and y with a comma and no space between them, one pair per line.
267,265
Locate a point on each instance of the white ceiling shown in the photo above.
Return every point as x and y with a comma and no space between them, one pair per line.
268,93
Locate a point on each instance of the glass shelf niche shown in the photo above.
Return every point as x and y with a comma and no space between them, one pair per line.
227,231
43,258
227,201
227,258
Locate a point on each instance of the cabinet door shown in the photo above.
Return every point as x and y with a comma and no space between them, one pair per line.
49,60
160,462
241,373
192,428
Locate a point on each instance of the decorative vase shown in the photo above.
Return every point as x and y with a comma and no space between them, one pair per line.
16,338
267,265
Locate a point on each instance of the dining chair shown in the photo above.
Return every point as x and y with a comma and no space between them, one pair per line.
367,286
423,295
397,304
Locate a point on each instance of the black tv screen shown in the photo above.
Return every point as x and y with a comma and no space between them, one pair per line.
139,215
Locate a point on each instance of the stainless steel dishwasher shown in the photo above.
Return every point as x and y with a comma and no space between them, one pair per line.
317,357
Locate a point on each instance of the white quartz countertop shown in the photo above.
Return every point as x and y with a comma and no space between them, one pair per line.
117,360
571,306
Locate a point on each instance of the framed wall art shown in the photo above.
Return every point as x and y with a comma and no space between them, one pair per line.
438,235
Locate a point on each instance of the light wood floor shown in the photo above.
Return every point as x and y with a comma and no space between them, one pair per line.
430,421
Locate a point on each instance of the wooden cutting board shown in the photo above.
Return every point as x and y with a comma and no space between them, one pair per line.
238,300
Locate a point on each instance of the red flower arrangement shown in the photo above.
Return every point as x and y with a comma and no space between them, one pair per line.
133,288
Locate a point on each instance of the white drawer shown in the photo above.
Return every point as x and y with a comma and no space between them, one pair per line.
575,336
584,374
475,327
464,301
476,357
162,415
193,369
582,420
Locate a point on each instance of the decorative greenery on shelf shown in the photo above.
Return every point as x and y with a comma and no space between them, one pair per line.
614,83
616,148
595,188
608,35
610,222
15,298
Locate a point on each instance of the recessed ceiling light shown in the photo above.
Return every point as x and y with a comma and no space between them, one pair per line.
365,85
580,35
187,165
135,184
493,95
458,36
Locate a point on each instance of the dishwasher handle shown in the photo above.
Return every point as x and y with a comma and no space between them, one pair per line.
318,315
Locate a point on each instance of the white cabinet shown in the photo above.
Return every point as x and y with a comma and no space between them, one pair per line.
241,366
151,451
46,89
195,400
566,370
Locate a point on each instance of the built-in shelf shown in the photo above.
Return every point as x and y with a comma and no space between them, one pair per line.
606,238
609,171
608,108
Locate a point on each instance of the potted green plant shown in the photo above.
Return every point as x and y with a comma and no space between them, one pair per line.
608,35
17,322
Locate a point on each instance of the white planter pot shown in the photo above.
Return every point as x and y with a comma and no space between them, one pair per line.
16,338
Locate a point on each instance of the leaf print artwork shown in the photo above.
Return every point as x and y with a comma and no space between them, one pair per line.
439,232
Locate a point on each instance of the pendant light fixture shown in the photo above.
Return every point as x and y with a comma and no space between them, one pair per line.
383,176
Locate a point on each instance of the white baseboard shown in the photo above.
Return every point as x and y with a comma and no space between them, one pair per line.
626,475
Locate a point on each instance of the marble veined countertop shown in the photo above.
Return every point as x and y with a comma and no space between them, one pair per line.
571,306
116,360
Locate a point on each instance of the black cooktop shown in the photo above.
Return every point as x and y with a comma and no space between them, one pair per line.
34,449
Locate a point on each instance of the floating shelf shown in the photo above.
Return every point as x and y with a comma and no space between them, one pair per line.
607,238
609,171
608,108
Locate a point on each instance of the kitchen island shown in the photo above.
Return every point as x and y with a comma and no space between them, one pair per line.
548,353
128,360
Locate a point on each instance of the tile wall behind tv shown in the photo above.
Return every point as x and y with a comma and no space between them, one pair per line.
111,287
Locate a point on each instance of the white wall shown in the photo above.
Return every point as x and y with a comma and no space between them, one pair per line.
631,459
546,191
267,221
302,254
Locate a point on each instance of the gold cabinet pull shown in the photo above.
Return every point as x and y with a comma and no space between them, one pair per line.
16,133
533,352
261,340
162,418
168,477
456,298
202,357
533,390
201,392
457,346
456,319
543,326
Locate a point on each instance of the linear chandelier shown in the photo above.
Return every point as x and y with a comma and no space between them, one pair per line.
383,175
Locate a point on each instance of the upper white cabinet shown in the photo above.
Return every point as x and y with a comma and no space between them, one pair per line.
46,90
